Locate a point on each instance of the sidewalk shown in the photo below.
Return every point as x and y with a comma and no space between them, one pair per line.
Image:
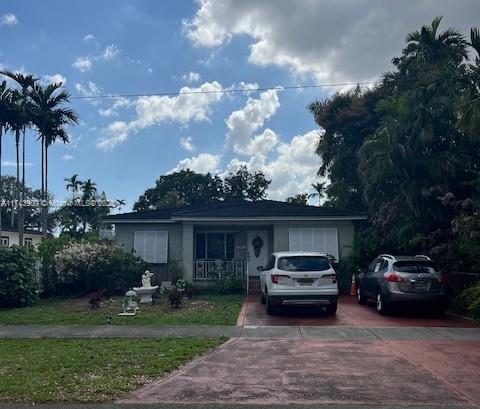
249,331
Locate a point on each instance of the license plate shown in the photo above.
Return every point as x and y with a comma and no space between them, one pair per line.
305,281
421,286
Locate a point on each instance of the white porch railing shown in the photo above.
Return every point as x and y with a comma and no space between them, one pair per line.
219,269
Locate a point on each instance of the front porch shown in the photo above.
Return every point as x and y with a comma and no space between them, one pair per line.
229,251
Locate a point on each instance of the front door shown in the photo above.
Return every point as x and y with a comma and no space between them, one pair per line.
257,244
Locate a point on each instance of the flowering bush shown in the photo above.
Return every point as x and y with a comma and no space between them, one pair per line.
87,267
18,283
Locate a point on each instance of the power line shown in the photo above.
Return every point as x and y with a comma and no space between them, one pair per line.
222,91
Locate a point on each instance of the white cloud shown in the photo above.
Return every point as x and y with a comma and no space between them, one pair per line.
187,143
8,19
189,105
116,133
150,71
191,77
119,102
89,90
244,122
55,78
67,156
203,163
292,170
12,163
89,37
83,64
333,41
111,51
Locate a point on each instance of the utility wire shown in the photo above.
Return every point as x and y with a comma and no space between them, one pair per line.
223,91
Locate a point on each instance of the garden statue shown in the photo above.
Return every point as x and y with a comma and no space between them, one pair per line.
146,279
129,305
146,290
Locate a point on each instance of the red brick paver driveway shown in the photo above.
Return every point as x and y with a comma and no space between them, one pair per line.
349,314
281,371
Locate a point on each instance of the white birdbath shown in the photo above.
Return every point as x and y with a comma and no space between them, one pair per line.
146,290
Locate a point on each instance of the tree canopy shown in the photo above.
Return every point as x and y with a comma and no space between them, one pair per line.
187,188
407,151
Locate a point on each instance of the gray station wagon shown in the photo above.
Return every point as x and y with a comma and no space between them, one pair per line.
393,280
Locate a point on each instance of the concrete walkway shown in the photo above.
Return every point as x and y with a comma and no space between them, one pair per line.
248,331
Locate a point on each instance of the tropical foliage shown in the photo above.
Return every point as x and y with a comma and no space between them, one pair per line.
186,188
18,283
83,267
407,151
30,105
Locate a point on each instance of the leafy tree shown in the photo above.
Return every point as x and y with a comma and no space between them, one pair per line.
187,188
181,188
301,198
243,185
407,150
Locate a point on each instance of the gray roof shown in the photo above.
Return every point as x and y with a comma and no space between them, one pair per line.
239,210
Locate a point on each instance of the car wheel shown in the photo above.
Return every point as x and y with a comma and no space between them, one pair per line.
262,297
382,305
361,299
331,308
271,308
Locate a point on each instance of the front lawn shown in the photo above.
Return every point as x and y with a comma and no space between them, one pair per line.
89,370
203,310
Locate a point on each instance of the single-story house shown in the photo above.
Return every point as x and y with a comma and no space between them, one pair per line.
9,237
208,242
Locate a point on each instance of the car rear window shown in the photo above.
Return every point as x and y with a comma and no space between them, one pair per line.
303,263
415,267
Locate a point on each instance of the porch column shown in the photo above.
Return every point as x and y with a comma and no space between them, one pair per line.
187,249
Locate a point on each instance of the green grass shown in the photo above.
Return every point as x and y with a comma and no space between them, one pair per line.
203,310
93,370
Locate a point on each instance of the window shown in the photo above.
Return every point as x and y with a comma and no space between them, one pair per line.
214,246
303,263
5,241
320,240
151,246
28,241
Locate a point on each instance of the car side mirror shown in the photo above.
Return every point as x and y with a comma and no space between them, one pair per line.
260,268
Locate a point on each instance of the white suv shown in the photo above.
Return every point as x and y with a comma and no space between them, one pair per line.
292,278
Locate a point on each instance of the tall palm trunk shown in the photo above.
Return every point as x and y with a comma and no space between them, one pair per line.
44,227
45,215
17,195
1,182
21,227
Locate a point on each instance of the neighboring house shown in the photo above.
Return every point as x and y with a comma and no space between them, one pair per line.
9,237
207,243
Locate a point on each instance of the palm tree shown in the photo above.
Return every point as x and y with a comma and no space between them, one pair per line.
5,107
89,189
73,184
50,119
21,122
319,188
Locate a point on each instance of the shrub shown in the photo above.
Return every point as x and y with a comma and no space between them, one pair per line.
18,283
87,267
345,269
175,297
46,251
468,302
229,285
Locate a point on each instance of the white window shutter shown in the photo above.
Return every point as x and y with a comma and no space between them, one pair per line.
331,238
324,240
161,247
151,246
295,240
139,238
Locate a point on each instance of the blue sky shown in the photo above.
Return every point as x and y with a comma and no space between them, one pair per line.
148,46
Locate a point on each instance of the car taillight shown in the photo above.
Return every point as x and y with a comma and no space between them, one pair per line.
275,277
443,279
332,276
393,278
